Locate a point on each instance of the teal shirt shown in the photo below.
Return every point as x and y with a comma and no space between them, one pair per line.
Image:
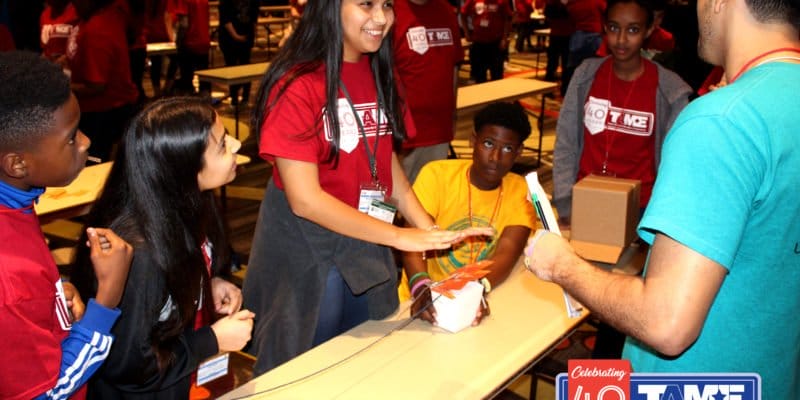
728,187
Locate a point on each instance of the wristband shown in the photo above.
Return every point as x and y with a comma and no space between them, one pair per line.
417,276
422,283
487,286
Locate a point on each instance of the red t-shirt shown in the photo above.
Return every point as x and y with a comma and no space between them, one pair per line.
660,40
134,25
34,319
101,57
427,47
294,130
58,34
619,119
198,38
587,15
488,18
6,40
523,10
155,26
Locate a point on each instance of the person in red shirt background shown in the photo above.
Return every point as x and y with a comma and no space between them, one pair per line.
523,23
101,76
192,37
6,40
490,23
427,52
587,17
561,28
57,30
155,26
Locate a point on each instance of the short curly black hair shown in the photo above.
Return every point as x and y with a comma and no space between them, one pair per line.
508,115
31,90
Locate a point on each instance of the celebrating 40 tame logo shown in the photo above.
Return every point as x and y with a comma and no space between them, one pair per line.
613,380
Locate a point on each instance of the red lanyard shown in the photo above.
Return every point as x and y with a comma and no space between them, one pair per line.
752,61
612,135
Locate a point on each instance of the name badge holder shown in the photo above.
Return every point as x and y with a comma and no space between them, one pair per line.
372,195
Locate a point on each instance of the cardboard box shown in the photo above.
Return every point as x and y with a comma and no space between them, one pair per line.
605,212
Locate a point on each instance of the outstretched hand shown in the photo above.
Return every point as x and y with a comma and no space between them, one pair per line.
414,239
111,257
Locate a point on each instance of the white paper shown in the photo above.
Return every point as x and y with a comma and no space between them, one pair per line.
545,212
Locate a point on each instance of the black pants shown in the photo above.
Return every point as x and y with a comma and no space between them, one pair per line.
138,58
156,67
557,51
105,128
189,63
237,53
486,56
524,30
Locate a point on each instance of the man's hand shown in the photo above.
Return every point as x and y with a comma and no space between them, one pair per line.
544,252
111,257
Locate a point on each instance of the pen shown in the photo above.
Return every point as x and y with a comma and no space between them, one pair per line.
539,212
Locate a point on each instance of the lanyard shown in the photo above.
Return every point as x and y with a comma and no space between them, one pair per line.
752,61
371,153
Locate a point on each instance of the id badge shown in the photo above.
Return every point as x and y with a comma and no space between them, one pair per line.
369,192
212,368
382,211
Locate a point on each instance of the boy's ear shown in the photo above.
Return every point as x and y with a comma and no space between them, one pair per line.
13,165
473,139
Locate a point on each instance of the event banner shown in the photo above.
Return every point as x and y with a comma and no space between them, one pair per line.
613,380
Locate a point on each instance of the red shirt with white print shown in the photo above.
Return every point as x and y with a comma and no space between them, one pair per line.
58,33
295,130
427,47
618,124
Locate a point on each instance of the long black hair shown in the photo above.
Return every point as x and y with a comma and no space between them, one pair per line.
317,41
153,201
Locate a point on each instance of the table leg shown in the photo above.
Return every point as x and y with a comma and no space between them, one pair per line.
540,125
236,117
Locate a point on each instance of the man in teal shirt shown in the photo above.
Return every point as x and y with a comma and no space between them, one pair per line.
721,288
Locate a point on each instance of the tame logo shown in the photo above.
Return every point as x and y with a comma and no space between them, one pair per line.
652,386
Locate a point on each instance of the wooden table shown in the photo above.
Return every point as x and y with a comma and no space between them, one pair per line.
421,361
169,48
473,97
236,75
285,10
76,198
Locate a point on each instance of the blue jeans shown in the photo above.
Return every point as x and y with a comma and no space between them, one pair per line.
340,309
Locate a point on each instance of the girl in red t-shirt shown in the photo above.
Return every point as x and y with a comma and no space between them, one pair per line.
327,115
616,114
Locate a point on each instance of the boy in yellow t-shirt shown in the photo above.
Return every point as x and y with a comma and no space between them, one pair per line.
480,192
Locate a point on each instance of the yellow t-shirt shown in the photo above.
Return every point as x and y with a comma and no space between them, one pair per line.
444,192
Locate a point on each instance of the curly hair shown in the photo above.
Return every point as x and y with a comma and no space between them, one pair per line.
31,90
508,115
